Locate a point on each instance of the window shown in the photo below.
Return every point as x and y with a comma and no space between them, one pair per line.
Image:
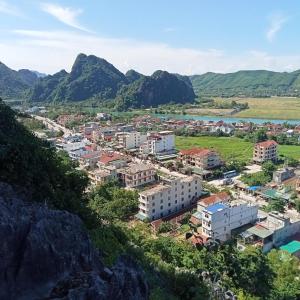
153,210
153,204
182,199
169,204
175,201
182,205
161,207
161,200
169,211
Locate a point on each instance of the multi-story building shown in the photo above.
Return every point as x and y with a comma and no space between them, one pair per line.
136,175
113,159
159,143
90,160
218,220
106,174
200,158
171,195
130,140
265,151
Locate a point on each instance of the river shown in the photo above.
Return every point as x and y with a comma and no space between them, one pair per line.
225,119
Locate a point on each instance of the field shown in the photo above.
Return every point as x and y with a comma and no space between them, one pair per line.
209,111
269,108
231,148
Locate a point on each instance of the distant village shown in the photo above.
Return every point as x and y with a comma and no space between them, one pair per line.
172,184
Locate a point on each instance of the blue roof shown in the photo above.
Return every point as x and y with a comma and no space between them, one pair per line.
254,187
215,207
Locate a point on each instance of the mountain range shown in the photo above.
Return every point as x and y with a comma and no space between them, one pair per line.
93,78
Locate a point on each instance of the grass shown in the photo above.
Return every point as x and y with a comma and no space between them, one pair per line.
231,148
269,108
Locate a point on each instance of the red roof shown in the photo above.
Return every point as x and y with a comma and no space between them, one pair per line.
91,155
109,157
196,151
220,197
266,144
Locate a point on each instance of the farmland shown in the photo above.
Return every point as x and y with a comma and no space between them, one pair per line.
231,148
269,108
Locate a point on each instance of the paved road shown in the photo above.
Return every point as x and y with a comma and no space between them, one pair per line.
53,125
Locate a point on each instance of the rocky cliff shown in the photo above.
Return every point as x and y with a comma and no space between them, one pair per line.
47,254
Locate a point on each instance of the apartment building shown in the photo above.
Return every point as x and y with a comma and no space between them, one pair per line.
171,195
283,174
200,158
159,143
130,140
136,175
265,151
219,219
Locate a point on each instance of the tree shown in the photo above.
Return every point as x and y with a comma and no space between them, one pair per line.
269,167
276,205
165,227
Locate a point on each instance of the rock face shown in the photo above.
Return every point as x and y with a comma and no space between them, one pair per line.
47,254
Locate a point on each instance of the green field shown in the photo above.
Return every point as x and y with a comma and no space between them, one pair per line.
269,108
231,148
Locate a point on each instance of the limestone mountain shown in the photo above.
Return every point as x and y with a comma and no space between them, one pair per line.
159,88
13,83
90,77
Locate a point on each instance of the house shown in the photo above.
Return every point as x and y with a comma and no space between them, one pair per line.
113,159
283,174
171,195
200,158
106,174
265,151
130,140
202,204
136,175
159,143
219,219
274,231
90,160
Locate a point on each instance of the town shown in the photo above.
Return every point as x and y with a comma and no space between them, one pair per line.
195,186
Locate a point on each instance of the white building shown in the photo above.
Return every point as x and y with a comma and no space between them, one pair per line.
218,220
171,195
162,142
131,140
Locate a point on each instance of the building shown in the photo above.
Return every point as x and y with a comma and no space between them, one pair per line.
171,195
283,174
130,140
136,175
200,158
219,219
90,160
106,174
159,143
265,151
274,231
113,159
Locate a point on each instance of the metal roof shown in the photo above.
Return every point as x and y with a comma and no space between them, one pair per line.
260,231
292,247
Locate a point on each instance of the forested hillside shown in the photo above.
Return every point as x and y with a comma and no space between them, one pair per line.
258,83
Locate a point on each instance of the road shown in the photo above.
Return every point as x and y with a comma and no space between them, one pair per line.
53,125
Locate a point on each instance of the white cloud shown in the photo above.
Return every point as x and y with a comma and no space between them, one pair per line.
276,23
51,51
9,9
66,15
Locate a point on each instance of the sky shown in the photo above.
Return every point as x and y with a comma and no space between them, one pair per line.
187,37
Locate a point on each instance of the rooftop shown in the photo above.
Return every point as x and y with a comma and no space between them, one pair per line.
292,247
216,207
154,189
223,196
266,144
196,151
260,231
136,168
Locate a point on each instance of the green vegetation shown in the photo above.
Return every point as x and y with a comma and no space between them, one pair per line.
247,83
96,80
31,123
173,268
165,227
14,83
260,178
29,162
231,148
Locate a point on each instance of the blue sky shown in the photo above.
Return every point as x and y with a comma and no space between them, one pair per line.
188,37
